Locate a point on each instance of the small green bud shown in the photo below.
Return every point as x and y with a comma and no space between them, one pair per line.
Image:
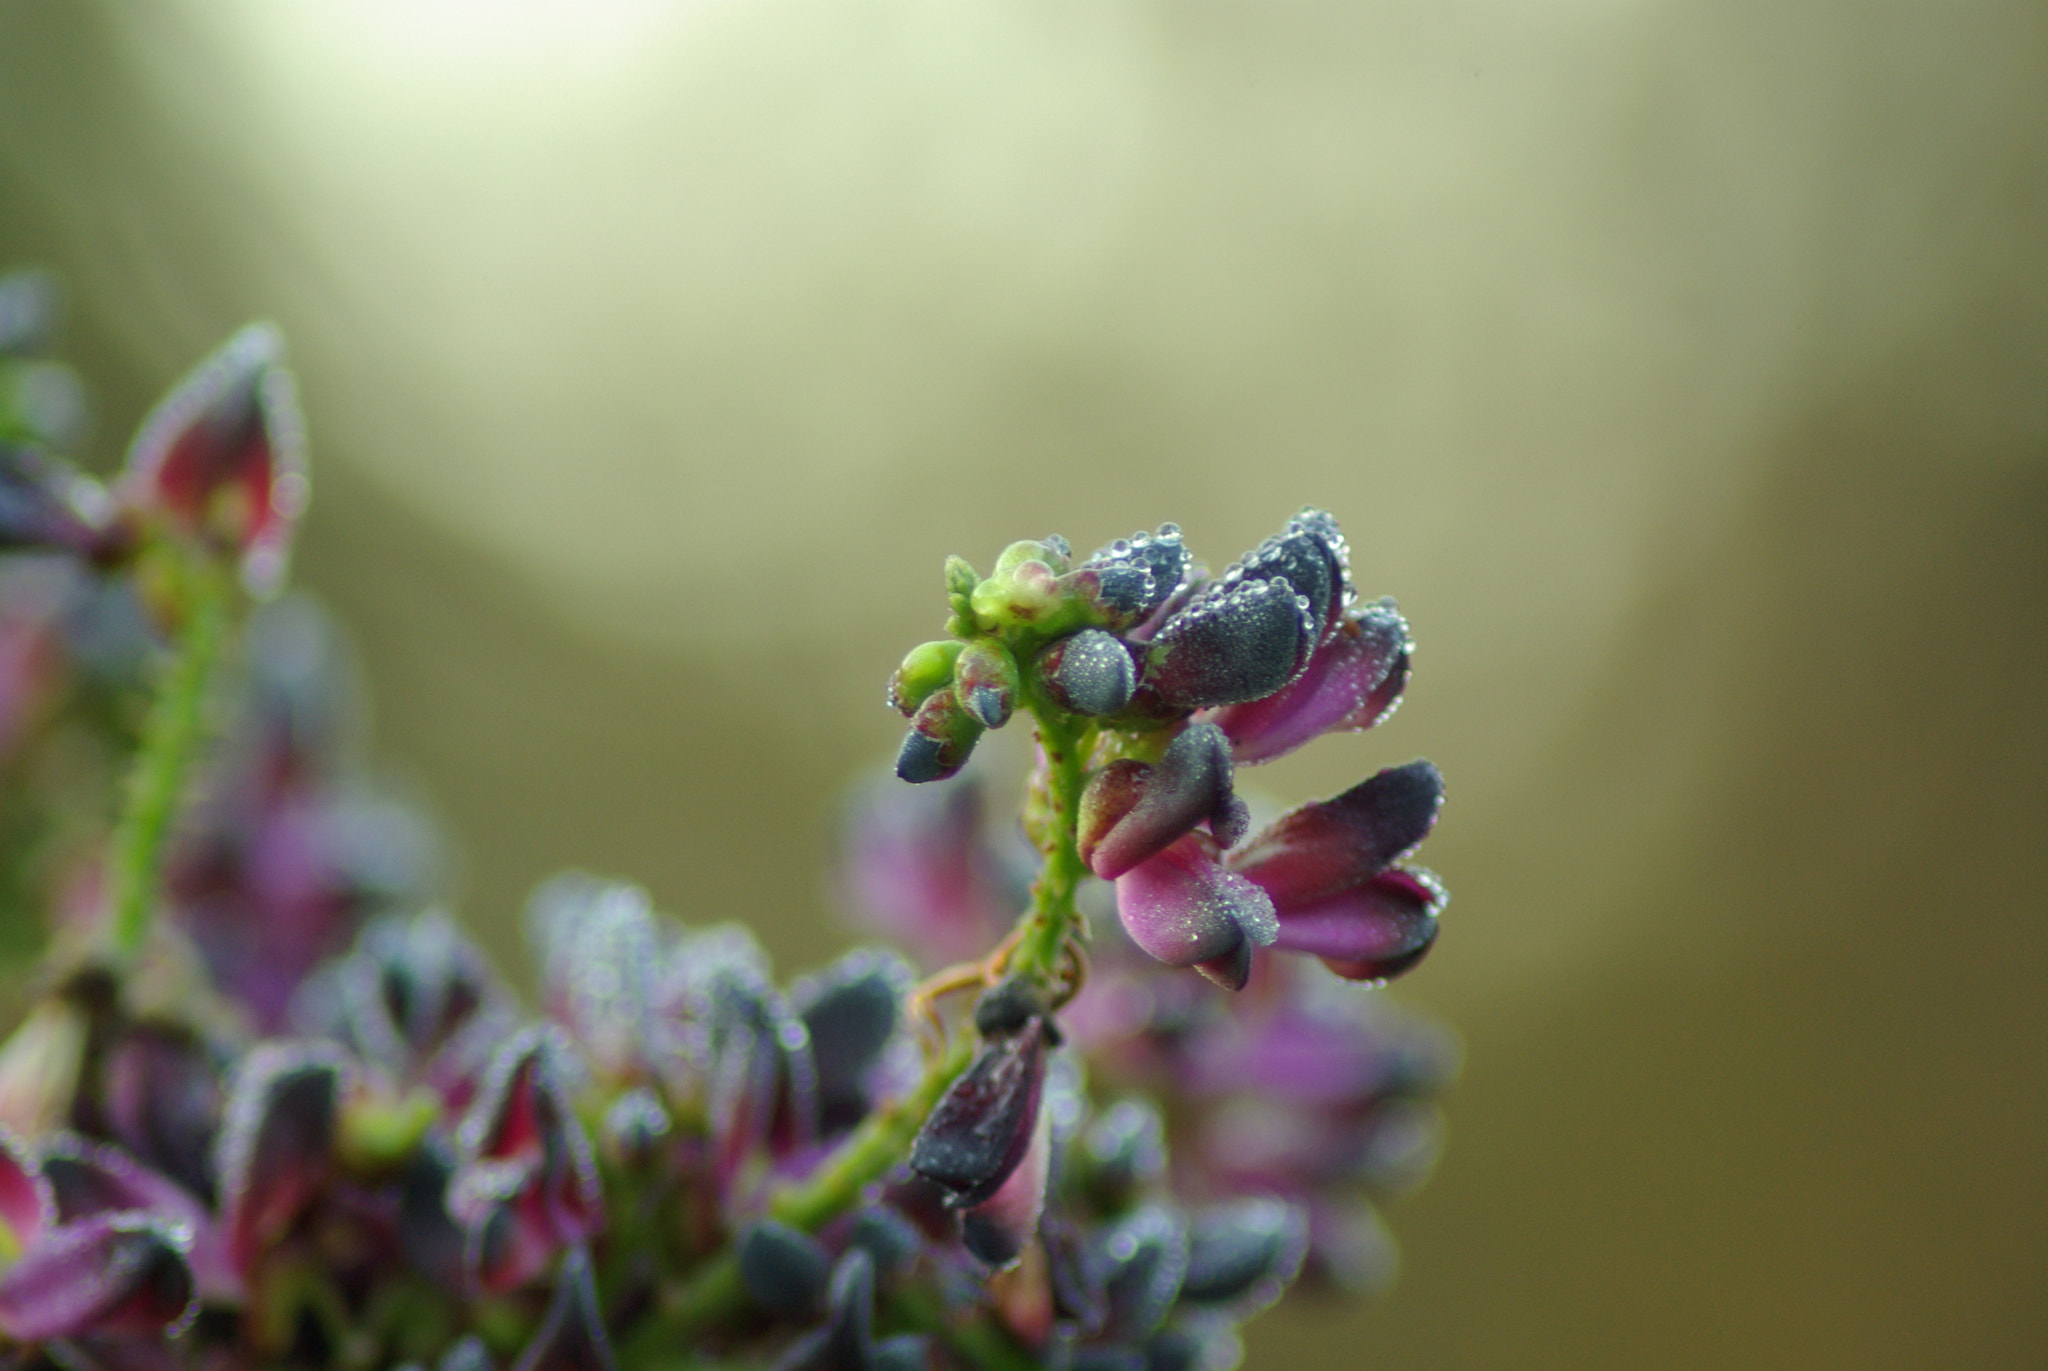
1022,594
987,681
924,670
961,577
1052,551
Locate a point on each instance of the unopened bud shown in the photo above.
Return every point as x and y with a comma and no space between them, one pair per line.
941,738
927,667
986,679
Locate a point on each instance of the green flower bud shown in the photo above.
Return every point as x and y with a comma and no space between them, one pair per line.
1054,551
1024,593
929,666
987,681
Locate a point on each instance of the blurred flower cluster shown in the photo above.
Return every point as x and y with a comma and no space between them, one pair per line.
269,1106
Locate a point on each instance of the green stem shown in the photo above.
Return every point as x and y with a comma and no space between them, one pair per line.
1053,915
716,1292
171,735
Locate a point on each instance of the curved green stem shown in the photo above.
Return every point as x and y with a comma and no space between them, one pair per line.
171,736
716,1293
1066,743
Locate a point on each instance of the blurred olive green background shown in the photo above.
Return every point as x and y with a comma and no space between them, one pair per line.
1681,367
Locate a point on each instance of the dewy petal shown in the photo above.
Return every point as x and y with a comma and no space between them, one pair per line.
572,1336
1351,683
998,1229
1242,1254
89,1179
1327,846
115,1273
526,1184
1309,554
1184,909
980,1129
1240,640
1143,1259
1373,931
1089,672
1190,783
224,455
276,1143
597,944
851,1012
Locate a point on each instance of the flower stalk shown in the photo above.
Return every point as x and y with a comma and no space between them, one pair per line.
173,733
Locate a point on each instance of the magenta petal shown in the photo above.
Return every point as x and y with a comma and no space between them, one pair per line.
1190,783
527,1184
1372,931
1351,683
277,1143
116,1273
1327,846
88,1179
1184,909
997,1230
26,1206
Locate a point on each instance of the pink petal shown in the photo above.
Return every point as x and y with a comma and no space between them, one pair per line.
1372,931
1184,909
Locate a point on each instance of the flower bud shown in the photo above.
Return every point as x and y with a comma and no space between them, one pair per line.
926,668
941,739
1130,812
1054,551
981,1127
986,680
1240,640
1018,595
39,1067
277,1144
1089,672
222,457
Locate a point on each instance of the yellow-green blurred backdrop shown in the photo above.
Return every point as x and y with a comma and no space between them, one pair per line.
1681,367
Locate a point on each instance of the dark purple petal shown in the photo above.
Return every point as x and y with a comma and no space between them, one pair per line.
851,1012
224,456
415,997
980,1129
1372,931
276,1143
1243,1254
997,1230
1090,672
1190,783
1310,555
572,1336
785,1269
27,1206
161,1097
112,1274
1328,846
1184,909
1132,577
846,1342
1142,1260
1351,683
1240,640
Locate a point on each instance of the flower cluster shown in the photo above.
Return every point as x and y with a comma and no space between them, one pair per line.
270,1106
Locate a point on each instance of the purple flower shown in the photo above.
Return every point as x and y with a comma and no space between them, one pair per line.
97,1272
526,1184
1352,682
